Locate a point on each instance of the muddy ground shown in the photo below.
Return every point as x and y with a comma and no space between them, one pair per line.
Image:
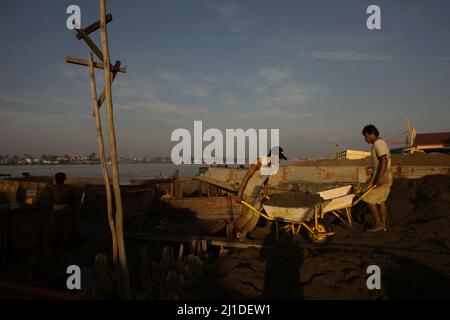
414,256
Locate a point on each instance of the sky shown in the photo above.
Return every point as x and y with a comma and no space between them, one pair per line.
311,69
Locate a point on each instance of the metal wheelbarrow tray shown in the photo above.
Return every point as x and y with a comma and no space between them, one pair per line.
312,219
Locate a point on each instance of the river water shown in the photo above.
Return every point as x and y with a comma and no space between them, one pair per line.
126,171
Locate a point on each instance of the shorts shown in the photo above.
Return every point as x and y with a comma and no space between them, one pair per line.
378,194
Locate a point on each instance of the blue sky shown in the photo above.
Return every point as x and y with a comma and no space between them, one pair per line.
309,68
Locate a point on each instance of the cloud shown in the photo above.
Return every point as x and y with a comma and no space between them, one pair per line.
288,96
137,89
287,104
188,85
231,17
346,56
231,14
230,100
266,56
33,99
197,91
208,79
274,76
139,96
260,90
72,72
163,110
275,114
170,76
13,118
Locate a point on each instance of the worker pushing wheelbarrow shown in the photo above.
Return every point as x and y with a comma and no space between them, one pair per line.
337,202
252,192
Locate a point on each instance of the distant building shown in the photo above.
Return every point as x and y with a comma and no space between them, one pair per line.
428,142
352,154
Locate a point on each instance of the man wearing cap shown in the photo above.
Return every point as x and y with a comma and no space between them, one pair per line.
252,189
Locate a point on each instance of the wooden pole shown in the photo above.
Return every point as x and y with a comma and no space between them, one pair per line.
102,96
101,148
113,155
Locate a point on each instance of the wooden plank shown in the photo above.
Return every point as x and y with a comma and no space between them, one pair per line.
116,68
95,26
221,184
213,241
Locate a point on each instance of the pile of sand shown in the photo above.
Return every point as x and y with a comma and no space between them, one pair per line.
413,256
420,200
294,200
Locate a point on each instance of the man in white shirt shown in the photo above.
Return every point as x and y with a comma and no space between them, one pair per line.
381,178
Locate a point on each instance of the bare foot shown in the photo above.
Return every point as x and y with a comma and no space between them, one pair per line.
241,235
376,229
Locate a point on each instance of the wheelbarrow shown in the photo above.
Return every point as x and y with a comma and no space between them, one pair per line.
312,219
341,200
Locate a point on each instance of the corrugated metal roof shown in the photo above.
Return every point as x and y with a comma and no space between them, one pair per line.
432,138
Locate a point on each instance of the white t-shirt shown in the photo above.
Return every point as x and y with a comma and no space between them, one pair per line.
379,149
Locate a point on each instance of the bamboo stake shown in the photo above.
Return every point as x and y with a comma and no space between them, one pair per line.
113,155
101,148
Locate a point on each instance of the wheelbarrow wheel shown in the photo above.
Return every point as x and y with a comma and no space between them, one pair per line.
317,237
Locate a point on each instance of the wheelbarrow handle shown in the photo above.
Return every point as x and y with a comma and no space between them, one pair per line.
363,194
255,210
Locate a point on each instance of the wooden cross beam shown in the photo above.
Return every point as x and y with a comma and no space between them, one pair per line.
102,96
90,43
116,68
95,26
84,34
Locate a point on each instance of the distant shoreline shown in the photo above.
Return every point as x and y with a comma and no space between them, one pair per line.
76,164
127,170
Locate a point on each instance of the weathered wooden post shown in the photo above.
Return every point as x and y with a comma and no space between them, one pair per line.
101,148
110,72
113,156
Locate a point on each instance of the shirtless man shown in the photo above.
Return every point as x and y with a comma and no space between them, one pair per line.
60,220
